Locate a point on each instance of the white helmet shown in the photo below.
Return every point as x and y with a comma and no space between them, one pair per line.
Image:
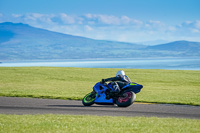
120,73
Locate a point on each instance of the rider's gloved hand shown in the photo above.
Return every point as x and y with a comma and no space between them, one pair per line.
102,81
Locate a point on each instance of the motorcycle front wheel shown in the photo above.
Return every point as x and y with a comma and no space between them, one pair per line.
126,99
88,100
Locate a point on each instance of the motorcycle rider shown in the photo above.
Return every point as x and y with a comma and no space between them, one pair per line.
119,81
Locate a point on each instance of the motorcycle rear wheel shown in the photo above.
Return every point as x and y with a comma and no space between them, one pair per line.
88,100
126,99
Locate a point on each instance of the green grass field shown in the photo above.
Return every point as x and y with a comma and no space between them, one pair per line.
90,124
160,86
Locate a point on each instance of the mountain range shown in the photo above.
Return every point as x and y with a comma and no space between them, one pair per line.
20,41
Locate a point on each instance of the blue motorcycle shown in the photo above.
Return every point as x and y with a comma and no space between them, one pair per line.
105,94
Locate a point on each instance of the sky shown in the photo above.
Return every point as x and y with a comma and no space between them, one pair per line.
137,21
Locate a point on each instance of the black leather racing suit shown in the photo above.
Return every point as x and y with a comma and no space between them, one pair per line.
121,81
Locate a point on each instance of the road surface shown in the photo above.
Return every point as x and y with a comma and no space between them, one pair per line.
13,105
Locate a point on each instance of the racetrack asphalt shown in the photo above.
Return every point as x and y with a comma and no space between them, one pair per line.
20,106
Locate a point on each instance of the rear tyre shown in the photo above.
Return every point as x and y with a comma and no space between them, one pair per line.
126,99
88,100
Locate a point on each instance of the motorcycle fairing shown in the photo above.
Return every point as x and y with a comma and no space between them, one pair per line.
133,87
101,96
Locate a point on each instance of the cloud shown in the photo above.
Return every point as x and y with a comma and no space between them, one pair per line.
172,28
126,20
102,19
190,26
108,27
98,20
197,24
88,28
67,19
34,19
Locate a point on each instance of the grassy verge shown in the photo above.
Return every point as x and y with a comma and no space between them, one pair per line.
160,86
73,124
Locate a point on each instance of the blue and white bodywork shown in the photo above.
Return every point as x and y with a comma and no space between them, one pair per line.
100,89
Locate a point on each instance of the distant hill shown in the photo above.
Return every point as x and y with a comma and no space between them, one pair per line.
179,48
22,42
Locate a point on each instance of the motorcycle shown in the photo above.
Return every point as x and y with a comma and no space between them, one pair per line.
105,94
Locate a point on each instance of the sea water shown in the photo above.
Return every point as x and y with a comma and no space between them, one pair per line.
148,63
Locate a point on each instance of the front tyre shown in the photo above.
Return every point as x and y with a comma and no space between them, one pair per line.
89,99
126,99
